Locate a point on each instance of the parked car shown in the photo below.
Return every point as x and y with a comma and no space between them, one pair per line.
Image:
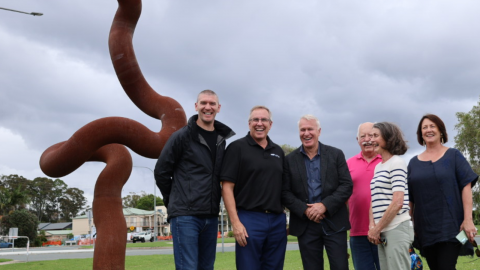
4,244
143,236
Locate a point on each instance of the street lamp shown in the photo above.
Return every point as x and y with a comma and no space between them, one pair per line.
154,203
28,13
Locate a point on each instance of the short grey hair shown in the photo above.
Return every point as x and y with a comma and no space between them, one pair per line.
358,130
309,117
261,107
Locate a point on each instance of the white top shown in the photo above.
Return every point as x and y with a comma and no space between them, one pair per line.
389,177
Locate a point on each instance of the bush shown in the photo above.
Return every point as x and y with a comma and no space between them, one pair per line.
40,239
26,223
230,234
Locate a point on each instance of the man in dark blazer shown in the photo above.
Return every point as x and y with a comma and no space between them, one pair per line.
316,187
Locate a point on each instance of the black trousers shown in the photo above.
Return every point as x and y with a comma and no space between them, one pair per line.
312,243
443,255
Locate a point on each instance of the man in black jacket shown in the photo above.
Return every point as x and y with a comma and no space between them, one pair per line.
187,174
316,187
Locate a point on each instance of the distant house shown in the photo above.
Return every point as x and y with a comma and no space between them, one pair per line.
55,226
57,235
141,220
56,231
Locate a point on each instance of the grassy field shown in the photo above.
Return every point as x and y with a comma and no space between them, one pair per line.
224,261
170,244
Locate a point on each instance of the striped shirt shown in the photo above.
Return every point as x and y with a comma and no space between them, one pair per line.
388,178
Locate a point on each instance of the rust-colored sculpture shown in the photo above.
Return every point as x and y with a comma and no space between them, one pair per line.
103,140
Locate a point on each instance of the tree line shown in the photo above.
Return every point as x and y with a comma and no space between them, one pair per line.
142,201
50,200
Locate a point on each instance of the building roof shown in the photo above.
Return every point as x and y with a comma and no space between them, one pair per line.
42,225
59,232
127,211
54,226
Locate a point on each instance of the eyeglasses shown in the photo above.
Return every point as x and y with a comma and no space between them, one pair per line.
258,120
474,244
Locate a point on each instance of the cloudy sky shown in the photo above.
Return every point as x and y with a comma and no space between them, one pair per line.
346,62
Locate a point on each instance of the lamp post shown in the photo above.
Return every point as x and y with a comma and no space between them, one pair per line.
154,203
28,13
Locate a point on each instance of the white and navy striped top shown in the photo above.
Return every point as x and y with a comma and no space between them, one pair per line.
389,177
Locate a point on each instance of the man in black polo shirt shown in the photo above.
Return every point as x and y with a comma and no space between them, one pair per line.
252,185
187,173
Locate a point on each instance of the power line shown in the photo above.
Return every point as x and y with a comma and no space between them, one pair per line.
31,13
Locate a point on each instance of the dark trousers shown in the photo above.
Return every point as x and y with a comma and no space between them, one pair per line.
443,255
364,253
266,242
312,243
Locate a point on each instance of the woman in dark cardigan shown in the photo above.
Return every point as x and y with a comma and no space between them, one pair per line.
440,182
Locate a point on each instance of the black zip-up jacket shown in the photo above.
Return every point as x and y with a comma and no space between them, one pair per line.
185,174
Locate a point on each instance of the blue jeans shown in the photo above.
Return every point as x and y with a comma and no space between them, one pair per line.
194,242
266,242
364,253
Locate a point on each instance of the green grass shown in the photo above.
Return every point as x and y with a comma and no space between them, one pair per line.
5,260
170,244
224,261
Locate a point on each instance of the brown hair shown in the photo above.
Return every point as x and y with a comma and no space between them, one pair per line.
438,122
393,136
208,92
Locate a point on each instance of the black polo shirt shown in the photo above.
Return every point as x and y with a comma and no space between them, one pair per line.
256,173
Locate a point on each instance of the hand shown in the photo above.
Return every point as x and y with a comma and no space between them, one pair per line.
374,235
316,212
240,234
470,229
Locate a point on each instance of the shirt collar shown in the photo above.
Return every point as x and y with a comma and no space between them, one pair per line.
305,153
251,141
360,156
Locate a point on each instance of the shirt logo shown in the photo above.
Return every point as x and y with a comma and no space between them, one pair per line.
274,155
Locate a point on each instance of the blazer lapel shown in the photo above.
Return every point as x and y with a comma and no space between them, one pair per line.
302,170
323,166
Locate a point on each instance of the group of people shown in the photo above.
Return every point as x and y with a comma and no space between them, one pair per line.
375,195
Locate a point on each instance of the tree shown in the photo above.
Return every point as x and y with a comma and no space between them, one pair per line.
143,201
131,200
52,209
13,193
26,223
44,194
146,202
287,148
71,202
467,141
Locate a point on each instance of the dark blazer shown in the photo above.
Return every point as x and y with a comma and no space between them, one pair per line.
336,188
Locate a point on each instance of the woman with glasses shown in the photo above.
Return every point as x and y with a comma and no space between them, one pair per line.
440,182
390,223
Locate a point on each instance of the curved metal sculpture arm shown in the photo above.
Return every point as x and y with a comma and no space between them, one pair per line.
107,207
82,145
129,73
99,140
